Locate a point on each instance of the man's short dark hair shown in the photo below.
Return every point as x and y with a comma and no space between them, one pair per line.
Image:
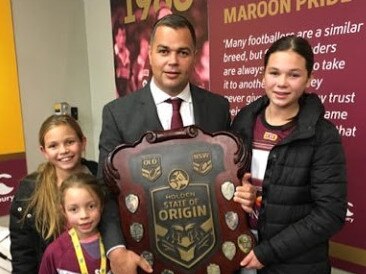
174,21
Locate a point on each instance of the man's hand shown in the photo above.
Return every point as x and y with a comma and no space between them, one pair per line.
245,194
124,261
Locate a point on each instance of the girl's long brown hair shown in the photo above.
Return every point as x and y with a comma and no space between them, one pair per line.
44,203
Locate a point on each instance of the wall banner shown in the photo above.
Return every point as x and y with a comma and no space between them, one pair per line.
241,31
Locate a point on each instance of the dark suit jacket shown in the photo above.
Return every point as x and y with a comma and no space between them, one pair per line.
127,118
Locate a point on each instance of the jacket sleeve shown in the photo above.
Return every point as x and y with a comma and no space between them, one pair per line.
23,247
109,226
109,137
328,192
110,222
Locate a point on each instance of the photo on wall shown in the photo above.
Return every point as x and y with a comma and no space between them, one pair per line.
132,23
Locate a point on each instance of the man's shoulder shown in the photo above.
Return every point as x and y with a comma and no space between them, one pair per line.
206,94
128,99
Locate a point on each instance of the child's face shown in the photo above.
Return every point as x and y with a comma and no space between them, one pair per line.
63,149
285,79
82,210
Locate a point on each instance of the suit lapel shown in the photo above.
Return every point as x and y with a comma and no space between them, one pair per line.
199,106
148,109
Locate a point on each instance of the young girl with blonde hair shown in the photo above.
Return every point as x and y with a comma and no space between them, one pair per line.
35,218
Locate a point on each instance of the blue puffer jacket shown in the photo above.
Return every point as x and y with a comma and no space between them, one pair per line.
304,190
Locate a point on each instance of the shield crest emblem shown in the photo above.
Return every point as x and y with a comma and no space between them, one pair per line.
151,167
202,162
175,192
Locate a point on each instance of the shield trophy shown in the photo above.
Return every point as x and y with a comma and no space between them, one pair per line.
175,194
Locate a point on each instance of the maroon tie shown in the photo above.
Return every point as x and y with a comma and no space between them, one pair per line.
176,117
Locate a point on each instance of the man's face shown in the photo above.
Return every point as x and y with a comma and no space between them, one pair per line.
171,56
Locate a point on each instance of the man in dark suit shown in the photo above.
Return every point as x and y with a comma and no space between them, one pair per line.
172,53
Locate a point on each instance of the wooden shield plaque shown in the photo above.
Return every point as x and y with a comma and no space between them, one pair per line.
175,194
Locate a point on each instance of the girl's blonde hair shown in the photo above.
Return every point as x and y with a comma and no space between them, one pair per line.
44,203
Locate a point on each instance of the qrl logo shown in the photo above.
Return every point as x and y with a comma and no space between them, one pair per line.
4,189
151,168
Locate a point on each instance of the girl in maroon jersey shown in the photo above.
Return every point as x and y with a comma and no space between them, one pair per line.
80,249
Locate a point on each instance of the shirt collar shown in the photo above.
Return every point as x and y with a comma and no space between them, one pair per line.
160,96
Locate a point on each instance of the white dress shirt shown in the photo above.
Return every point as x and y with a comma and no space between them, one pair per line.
165,109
